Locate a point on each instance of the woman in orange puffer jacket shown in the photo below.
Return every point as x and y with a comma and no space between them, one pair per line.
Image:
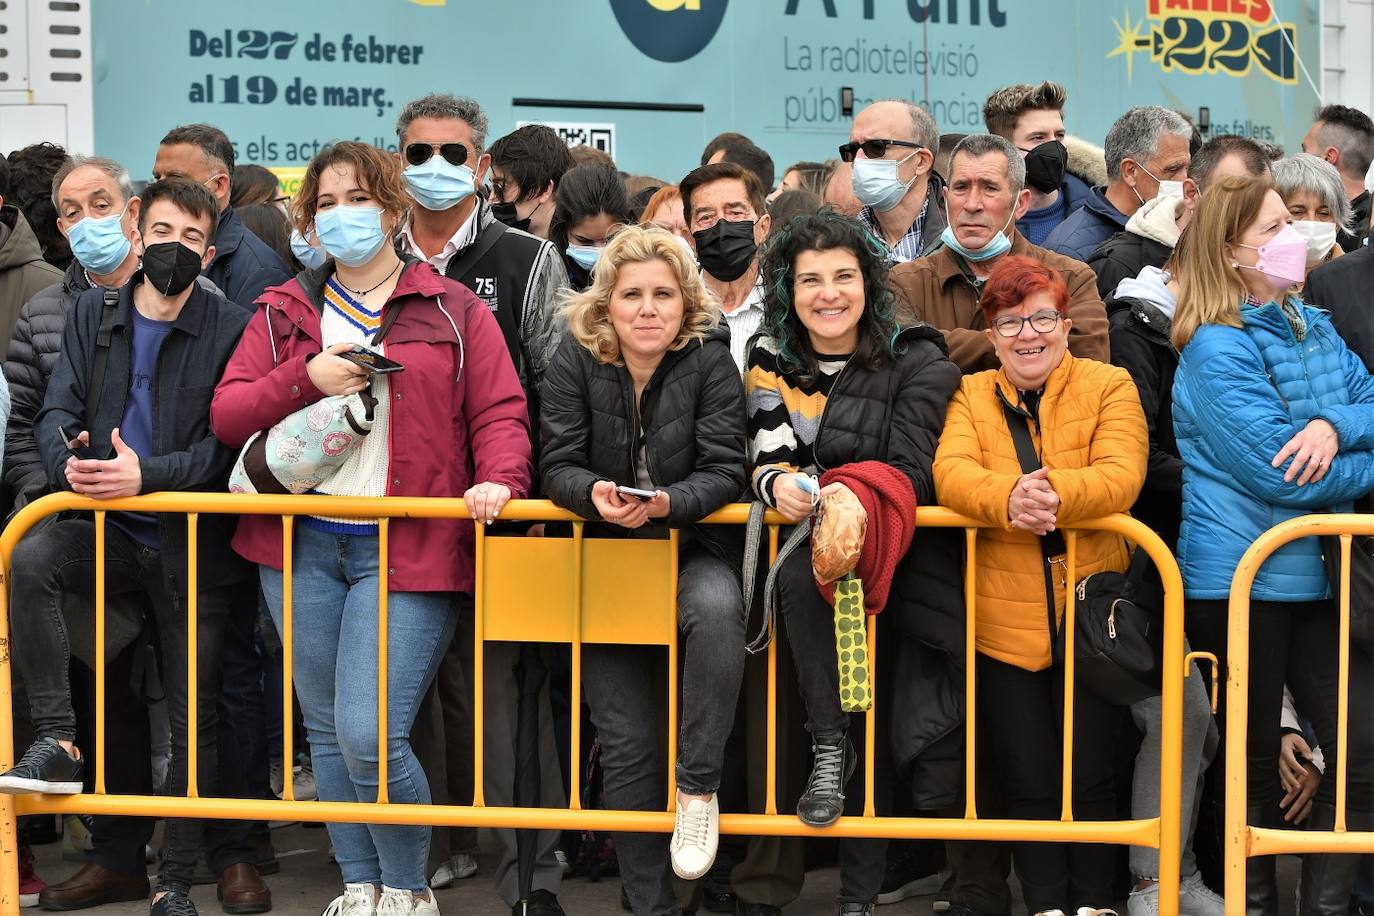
1088,428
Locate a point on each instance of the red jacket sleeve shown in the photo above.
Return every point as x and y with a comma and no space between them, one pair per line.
254,393
494,408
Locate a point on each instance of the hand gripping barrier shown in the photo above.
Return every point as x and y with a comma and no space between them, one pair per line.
572,590
1242,840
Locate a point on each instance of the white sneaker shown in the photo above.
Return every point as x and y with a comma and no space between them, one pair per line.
356,900
1144,902
426,906
458,867
395,902
303,783
1090,911
695,838
563,862
1195,898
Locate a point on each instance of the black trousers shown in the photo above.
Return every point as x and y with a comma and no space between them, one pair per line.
1020,727
1297,644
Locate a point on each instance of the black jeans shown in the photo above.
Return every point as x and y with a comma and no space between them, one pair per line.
623,684
61,558
811,634
1293,643
1020,725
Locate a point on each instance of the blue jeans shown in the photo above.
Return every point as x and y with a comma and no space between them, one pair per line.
335,670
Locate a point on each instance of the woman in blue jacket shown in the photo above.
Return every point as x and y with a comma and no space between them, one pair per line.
1274,419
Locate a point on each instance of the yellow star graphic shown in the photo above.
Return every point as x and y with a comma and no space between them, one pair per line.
1131,38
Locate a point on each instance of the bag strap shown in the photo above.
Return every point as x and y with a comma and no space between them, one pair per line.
388,322
1052,544
753,537
109,308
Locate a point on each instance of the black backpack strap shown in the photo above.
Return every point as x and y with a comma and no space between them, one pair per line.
109,309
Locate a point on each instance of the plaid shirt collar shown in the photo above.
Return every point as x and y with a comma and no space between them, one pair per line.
908,247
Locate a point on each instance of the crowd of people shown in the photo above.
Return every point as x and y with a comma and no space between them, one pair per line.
1017,325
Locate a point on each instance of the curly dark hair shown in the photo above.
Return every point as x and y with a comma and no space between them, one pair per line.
777,267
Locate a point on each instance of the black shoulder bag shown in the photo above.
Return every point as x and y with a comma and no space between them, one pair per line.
1118,627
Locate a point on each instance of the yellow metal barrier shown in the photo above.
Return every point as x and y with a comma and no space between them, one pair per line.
562,587
1242,840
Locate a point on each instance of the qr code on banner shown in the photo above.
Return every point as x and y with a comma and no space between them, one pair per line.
576,133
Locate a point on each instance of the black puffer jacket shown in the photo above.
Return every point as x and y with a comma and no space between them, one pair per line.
1122,257
692,413
1341,286
33,348
1139,317
896,415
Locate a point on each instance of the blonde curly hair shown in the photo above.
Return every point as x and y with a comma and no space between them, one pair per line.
588,312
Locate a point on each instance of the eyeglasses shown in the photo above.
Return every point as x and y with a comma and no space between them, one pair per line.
873,149
1042,322
420,153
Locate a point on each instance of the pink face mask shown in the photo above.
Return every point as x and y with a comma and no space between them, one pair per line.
1283,259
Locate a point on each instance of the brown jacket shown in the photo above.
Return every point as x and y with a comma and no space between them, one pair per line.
933,289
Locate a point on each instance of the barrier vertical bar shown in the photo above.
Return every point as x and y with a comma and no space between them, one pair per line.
871,715
100,652
1236,836
1174,669
1071,540
9,822
575,701
288,690
770,802
383,650
970,673
479,654
192,661
1343,685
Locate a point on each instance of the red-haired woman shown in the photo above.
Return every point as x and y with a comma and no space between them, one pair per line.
1085,421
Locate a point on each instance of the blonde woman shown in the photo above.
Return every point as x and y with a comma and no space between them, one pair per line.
1274,419
643,393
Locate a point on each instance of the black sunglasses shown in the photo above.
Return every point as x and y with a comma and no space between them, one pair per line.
420,153
873,149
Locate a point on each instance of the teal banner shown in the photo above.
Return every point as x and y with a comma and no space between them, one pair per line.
656,79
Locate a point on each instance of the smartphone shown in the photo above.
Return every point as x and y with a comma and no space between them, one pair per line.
372,362
83,452
641,495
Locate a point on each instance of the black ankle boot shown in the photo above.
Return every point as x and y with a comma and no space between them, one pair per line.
1327,879
823,801
1261,881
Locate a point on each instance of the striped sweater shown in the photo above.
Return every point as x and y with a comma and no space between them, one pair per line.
784,415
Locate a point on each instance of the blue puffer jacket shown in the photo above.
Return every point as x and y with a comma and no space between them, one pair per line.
1239,396
1087,227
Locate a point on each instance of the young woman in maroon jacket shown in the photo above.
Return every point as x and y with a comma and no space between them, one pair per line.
452,422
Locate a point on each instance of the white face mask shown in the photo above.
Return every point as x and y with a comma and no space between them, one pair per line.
1320,236
1369,179
1170,189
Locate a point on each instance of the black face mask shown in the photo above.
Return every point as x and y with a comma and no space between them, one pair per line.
506,214
726,249
1045,166
170,267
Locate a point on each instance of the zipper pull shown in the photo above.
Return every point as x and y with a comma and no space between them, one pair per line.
1111,622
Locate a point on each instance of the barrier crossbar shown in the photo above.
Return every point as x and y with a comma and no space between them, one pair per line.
1244,841
563,590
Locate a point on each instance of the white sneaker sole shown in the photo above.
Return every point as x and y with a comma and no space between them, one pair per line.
18,785
918,887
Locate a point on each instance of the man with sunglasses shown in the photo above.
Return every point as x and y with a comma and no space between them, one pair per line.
442,139
892,147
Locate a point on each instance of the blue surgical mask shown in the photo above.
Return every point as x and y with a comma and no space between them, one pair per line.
437,184
351,235
310,256
584,256
99,244
999,244
876,184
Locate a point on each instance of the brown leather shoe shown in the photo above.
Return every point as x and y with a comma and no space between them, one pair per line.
242,890
93,885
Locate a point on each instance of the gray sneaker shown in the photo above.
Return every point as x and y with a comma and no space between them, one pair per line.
1195,898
